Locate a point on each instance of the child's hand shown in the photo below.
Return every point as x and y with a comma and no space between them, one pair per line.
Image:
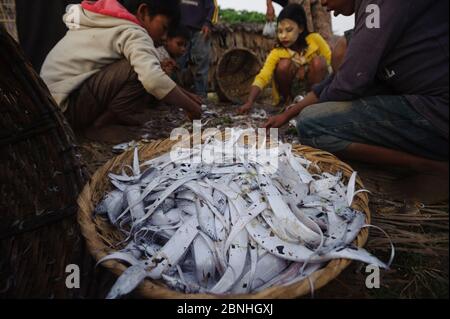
206,31
169,66
245,109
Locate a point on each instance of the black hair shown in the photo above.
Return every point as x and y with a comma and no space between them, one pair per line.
296,13
169,8
179,31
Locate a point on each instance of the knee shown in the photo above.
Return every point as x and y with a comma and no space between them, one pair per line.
339,53
318,65
284,67
306,122
320,118
121,66
305,128
121,71
310,130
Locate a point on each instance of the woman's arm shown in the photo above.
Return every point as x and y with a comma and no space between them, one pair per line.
197,99
254,94
324,48
265,76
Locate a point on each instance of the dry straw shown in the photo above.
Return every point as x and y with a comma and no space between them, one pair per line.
101,237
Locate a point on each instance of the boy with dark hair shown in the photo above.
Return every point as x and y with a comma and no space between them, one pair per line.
174,48
106,68
177,41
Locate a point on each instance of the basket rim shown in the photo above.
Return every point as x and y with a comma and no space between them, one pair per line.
223,91
154,290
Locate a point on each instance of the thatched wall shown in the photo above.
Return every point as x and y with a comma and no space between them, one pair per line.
245,35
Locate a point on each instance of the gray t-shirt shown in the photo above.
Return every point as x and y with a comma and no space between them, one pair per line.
408,55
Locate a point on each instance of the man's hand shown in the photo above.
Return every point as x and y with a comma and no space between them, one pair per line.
277,121
245,109
206,31
180,99
196,98
292,112
196,112
270,15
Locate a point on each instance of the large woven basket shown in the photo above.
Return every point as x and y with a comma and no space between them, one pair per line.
101,237
41,177
235,74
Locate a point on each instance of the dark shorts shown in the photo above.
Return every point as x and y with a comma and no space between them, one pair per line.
388,121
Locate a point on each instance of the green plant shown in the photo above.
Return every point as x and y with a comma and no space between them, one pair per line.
233,16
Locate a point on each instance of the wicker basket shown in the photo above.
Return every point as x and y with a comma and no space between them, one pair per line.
235,74
41,177
39,164
101,236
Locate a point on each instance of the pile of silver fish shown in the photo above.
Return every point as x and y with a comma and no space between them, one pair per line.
230,227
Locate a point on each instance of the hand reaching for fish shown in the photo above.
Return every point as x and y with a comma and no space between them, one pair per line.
277,121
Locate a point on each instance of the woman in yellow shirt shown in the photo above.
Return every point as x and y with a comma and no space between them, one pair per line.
300,57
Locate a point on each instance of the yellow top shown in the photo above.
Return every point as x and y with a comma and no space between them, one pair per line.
215,17
317,46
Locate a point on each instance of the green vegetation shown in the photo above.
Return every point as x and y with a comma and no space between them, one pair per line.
233,16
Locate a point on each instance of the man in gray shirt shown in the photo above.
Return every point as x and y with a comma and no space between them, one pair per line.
387,103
